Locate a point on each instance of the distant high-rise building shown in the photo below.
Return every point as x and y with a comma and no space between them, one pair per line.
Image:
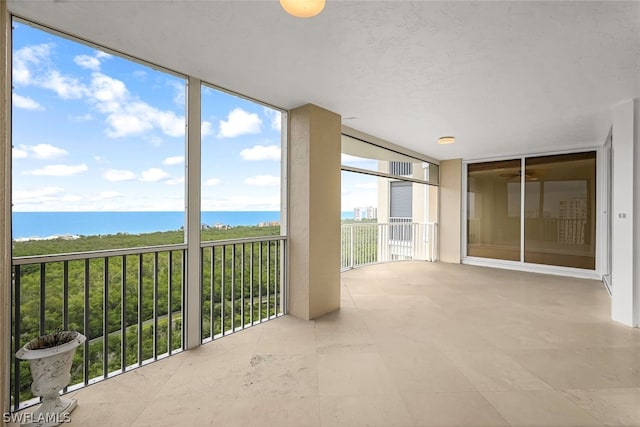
572,221
363,213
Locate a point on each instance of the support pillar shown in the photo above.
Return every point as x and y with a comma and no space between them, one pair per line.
5,205
192,311
450,210
314,211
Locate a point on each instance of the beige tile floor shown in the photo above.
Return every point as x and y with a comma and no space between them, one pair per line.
415,344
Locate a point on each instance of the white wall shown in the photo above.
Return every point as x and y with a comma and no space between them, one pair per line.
626,213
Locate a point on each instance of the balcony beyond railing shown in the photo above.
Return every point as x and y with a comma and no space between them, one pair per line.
400,239
129,303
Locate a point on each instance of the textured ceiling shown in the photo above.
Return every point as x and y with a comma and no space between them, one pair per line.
503,77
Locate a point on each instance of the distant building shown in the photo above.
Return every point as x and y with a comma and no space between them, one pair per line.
572,221
363,213
269,224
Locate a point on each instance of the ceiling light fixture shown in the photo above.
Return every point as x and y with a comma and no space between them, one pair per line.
302,8
446,140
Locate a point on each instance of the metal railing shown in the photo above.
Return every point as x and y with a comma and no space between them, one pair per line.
243,284
129,303
370,243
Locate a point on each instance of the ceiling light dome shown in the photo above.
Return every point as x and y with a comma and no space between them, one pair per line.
446,140
302,8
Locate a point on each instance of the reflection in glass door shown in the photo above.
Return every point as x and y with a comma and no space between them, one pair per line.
558,209
493,210
560,227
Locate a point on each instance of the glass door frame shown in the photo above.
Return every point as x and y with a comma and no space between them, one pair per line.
531,267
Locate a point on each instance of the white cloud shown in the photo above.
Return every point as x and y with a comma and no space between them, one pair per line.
106,195
154,175
242,203
263,180
206,128
81,118
103,55
115,175
239,122
43,151
39,151
18,153
25,103
180,93
212,181
108,92
87,62
125,125
64,86
37,195
174,160
139,74
275,116
175,181
27,57
58,170
261,152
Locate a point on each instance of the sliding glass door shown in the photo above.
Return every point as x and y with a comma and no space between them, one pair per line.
493,210
558,210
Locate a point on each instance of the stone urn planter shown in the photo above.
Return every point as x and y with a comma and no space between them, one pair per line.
50,358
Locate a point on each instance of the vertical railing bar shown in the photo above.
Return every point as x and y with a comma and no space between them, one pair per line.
352,244
212,297
43,274
169,304
283,276
233,285
276,303
183,288
222,273
155,305
65,300
201,287
242,322
105,320
65,296
140,273
251,283
268,278
87,332
123,315
260,282
16,338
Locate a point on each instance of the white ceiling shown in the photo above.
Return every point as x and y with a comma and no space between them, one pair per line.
503,77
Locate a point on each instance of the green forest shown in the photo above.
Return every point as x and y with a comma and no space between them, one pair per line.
130,306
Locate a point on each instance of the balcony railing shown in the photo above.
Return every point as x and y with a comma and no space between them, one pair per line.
370,243
130,303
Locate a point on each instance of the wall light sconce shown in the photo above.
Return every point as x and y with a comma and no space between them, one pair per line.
302,8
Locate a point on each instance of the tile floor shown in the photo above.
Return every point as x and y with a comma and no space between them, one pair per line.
414,344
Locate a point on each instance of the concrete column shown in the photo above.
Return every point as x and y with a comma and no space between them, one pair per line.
191,323
5,205
314,211
625,215
450,210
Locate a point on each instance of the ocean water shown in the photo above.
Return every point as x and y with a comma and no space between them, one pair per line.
47,224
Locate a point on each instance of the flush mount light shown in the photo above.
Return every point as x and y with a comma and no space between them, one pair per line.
302,8
446,140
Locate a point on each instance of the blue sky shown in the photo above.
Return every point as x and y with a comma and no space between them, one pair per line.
97,132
